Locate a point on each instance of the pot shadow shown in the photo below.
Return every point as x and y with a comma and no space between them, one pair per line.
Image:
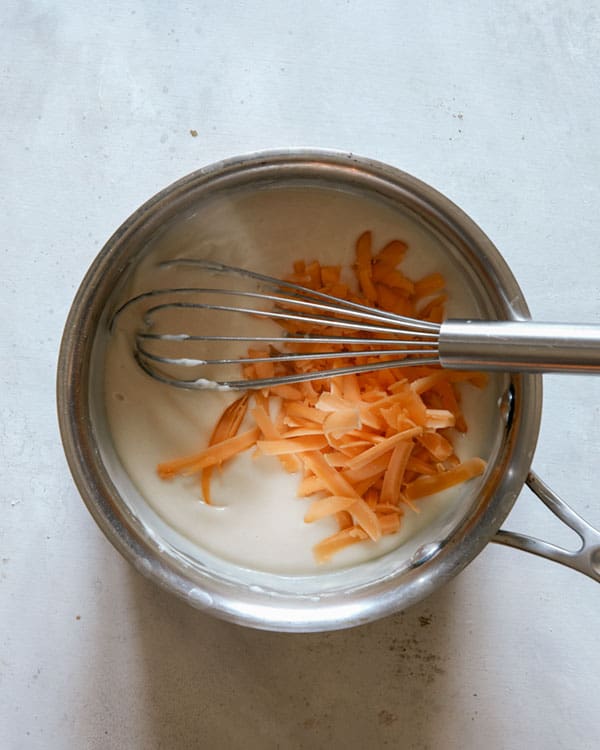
212,684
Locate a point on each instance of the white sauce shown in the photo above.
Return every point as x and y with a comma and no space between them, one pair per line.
211,385
257,521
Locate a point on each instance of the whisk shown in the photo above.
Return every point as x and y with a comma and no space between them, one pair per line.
364,333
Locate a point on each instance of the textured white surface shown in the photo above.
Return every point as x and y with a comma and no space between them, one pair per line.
495,105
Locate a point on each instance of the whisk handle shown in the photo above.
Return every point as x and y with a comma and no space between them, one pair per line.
520,346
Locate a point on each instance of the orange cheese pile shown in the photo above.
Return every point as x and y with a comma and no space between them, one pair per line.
367,447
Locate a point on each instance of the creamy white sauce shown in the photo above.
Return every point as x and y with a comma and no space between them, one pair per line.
211,385
257,520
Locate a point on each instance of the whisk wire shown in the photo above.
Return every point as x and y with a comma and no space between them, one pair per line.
317,357
302,292
365,333
278,315
227,385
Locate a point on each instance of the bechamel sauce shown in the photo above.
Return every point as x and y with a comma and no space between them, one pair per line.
257,520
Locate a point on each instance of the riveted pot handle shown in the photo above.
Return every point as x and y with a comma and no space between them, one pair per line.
586,559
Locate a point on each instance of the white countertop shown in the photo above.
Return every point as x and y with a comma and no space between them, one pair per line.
496,105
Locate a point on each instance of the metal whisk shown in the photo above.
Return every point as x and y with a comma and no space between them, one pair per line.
363,333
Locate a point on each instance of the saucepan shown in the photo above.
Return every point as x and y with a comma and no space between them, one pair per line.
339,597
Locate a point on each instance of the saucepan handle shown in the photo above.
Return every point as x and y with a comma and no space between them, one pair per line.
586,559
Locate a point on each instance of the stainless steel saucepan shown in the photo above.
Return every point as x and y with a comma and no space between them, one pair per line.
335,599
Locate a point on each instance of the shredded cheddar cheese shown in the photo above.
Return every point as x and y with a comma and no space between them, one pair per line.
368,446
